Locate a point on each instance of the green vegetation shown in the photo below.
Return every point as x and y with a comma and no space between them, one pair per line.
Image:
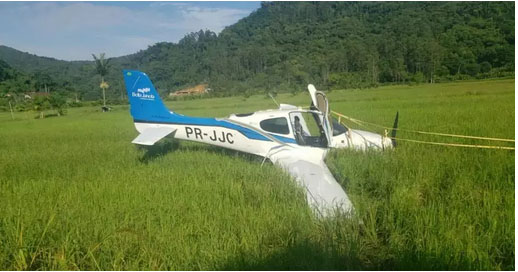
76,194
283,46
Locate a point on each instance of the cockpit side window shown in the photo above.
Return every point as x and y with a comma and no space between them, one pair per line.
276,125
338,128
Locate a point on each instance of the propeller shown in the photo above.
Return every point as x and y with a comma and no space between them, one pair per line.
394,130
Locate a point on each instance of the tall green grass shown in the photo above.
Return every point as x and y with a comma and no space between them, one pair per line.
76,194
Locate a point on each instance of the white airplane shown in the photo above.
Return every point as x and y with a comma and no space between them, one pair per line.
294,138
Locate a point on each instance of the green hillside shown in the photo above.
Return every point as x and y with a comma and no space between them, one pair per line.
284,45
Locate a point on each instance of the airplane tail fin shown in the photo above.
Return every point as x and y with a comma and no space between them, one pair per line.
145,101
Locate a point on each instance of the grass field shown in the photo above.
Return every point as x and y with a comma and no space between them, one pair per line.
76,194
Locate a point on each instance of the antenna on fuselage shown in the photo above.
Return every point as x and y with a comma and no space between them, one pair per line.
275,101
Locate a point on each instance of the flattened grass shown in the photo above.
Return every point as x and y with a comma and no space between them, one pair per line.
75,193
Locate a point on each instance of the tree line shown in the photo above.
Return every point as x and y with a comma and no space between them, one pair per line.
283,46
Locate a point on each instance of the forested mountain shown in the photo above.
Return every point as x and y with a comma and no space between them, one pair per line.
283,46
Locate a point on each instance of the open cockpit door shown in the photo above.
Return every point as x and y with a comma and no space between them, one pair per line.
319,99
321,104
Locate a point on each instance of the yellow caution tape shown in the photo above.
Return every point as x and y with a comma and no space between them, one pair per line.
451,144
356,121
359,122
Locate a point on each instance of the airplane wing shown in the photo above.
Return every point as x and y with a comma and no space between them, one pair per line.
323,192
152,135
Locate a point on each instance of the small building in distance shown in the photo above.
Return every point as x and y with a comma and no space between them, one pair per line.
198,89
31,95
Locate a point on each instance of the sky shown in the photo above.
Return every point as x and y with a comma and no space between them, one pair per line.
75,30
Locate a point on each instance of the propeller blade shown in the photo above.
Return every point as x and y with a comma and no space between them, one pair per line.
394,130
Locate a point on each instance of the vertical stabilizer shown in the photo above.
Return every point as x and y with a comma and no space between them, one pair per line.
145,101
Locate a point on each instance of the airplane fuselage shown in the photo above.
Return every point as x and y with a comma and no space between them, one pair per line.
294,138
231,135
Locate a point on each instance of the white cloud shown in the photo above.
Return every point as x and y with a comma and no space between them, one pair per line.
214,19
193,18
73,30
164,4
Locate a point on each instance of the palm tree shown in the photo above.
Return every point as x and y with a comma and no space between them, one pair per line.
101,66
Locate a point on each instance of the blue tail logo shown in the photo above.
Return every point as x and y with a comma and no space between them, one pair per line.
143,94
145,101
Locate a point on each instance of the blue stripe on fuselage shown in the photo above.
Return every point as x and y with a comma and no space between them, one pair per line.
284,139
176,119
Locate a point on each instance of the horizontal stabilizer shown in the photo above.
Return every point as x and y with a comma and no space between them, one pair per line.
152,135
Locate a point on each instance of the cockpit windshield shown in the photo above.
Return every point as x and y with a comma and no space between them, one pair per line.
308,130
